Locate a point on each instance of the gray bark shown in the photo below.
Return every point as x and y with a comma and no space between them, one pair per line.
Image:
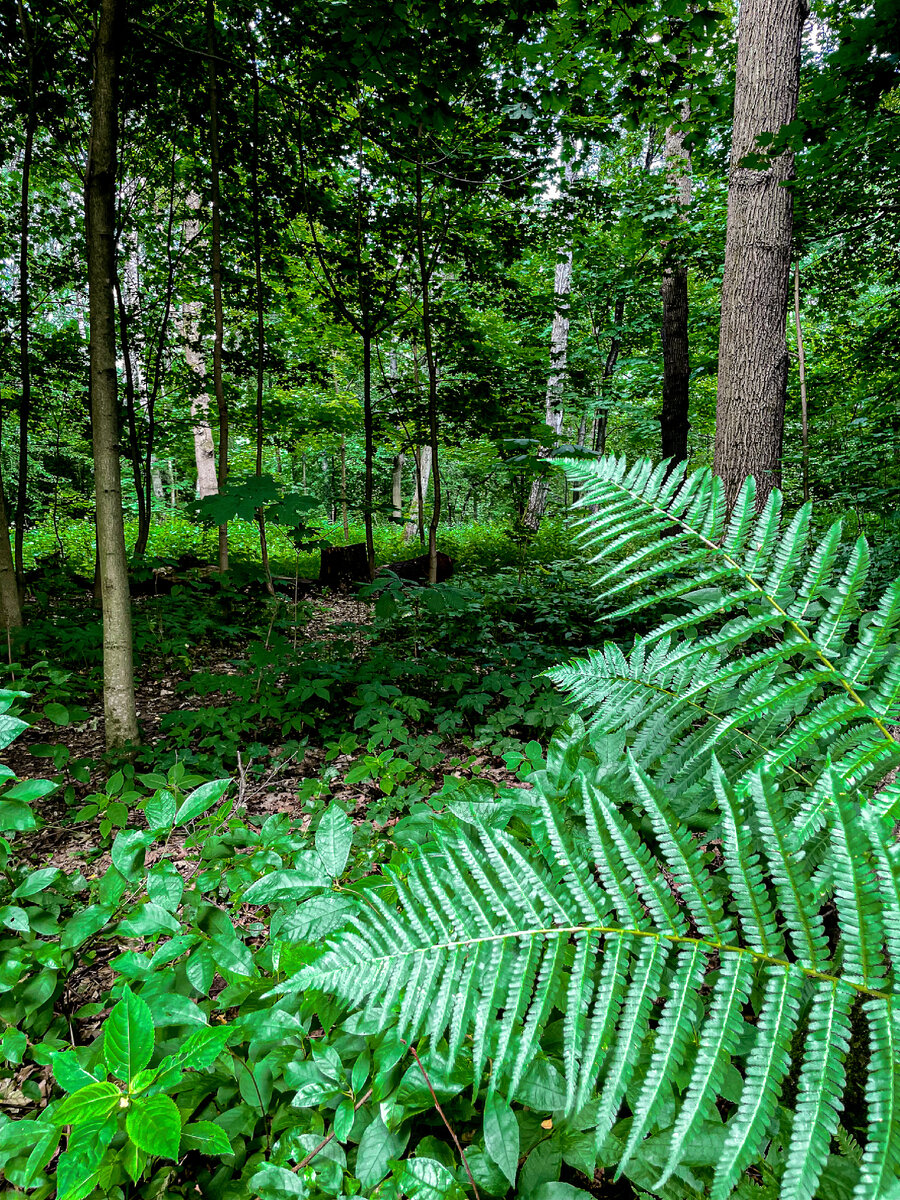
753,356
118,678
204,448
416,522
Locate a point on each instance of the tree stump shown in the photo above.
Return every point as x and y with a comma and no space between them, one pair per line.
343,566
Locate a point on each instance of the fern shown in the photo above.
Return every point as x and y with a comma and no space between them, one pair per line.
698,991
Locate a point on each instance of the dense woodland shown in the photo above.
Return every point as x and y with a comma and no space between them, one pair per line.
448,540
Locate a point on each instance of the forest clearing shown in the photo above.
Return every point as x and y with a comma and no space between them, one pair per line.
449,554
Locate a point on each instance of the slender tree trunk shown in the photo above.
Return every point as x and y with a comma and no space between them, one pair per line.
100,183
753,356
559,345
426,270
345,516
204,447
397,487
136,349
801,362
370,449
260,325
674,422
218,384
24,302
130,410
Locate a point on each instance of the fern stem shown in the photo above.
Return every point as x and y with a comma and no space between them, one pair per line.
674,938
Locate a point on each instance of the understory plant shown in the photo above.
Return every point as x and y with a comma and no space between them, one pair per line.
694,932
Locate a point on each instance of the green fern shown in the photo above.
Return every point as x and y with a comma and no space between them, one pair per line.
698,991
779,660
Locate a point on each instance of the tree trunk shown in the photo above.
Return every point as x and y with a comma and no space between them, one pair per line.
370,449
218,385
559,345
131,280
674,423
24,302
260,324
753,355
801,363
345,516
204,448
426,271
10,606
416,522
397,487
118,679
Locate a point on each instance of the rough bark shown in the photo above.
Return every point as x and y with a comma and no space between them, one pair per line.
416,521
559,345
674,422
10,607
118,679
219,317
204,447
753,356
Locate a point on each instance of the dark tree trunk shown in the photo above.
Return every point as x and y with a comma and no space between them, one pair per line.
218,385
753,358
100,205
674,423
368,422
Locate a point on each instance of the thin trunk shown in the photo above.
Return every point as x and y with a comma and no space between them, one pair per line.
559,344
135,350
370,449
753,357
260,325
24,303
345,519
118,677
134,447
426,270
416,521
204,448
674,421
397,487
218,385
801,361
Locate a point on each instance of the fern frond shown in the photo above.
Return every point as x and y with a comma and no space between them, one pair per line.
669,972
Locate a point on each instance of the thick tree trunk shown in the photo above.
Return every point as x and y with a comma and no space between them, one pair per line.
100,183
204,447
753,355
416,522
559,346
218,385
674,423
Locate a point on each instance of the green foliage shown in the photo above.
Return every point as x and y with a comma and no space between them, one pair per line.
690,983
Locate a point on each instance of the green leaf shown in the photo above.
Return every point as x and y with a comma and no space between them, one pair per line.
154,1125
147,920
16,816
206,1137
68,1071
36,882
10,728
314,918
159,810
377,1147
128,1036
92,1103
501,1135
333,839
288,884
57,713
128,851
84,925
428,1179
204,797
30,789
77,1171
276,1183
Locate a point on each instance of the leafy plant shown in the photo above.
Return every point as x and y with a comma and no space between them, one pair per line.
715,985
